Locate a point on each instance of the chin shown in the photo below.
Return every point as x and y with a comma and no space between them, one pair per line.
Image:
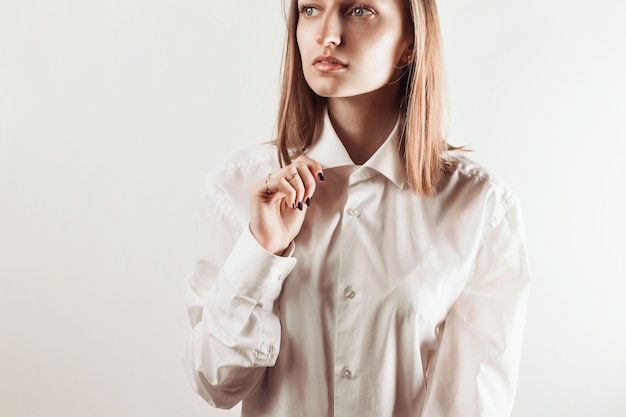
327,91
333,88
326,86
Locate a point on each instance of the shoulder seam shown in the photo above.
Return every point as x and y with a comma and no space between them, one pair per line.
219,196
508,201
253,159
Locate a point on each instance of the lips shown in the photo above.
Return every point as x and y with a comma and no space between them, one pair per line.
329,63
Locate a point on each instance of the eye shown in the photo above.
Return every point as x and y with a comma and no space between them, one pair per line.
361,12
309,11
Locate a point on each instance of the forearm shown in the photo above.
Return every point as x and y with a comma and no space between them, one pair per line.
236,331
476,366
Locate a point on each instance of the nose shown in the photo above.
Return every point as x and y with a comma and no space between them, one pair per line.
329,32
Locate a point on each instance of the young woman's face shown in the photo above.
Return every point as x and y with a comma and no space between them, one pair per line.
350,48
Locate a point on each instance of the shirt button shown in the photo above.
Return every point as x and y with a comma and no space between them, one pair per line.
346,373
354,212
349,292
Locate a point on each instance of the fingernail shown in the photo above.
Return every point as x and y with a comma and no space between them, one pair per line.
293,205
308,201
321,176
300,206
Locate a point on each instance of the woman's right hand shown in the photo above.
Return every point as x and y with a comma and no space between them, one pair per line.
279,203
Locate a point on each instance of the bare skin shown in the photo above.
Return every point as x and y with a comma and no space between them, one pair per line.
365,121
276,218
367,49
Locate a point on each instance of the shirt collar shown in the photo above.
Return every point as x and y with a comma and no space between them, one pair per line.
330,153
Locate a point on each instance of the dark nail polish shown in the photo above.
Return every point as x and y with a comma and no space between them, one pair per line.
300,206
308,201
293,205
321,176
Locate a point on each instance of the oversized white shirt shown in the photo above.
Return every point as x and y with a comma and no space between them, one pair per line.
386,304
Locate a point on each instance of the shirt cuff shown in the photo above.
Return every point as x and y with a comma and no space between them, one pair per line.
253,272
290,250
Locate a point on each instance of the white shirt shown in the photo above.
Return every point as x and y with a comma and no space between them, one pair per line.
387,304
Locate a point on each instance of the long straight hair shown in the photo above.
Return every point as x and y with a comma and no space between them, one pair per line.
422,143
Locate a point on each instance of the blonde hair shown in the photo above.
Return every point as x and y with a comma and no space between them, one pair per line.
422,142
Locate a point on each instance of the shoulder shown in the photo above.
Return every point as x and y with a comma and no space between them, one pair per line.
245,165
469,173
471,186
228,184
247,158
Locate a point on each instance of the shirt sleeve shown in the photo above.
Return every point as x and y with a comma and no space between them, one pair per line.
474,372
235,327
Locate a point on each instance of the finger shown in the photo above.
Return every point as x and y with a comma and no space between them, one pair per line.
268,189
287,191
285,184
307,179
314,167
283,181
291,173
296,182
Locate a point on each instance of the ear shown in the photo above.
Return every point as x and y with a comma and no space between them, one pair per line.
407,55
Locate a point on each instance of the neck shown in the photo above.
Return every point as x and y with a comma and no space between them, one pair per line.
364,122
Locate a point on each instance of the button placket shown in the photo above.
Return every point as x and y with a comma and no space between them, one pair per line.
354,212
349,300
349,292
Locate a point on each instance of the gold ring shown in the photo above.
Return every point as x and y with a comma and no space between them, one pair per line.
267,189
292,177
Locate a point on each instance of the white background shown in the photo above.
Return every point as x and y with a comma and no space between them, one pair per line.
112,111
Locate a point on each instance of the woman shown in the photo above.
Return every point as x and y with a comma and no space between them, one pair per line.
359,266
